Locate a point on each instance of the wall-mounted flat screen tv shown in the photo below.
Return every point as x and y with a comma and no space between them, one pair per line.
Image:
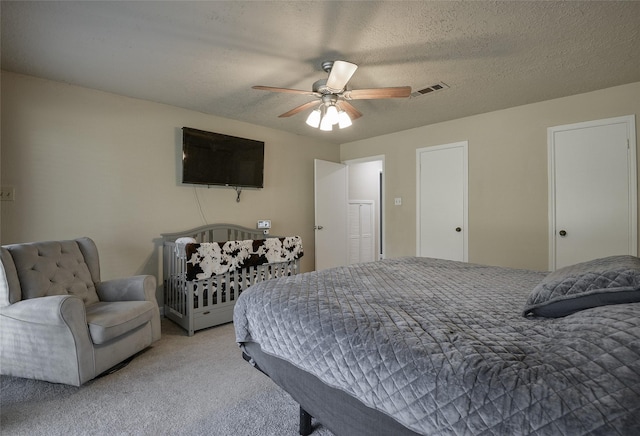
214,159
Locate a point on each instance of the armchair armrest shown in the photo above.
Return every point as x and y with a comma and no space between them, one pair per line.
46,338
56,310
136,288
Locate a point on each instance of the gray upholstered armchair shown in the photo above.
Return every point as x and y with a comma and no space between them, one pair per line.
60,323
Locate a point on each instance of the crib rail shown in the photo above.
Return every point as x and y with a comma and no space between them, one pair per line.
216,233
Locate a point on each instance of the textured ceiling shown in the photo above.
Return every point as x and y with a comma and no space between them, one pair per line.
206,56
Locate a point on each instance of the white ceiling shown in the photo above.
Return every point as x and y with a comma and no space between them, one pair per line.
205,56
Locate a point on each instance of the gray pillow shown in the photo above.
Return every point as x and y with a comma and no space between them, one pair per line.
610,280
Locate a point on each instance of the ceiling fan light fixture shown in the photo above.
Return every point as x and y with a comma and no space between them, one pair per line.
343,119
326,124
313,119
331,115
334,96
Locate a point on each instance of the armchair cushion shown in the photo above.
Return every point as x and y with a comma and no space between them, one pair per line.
109,320
53,268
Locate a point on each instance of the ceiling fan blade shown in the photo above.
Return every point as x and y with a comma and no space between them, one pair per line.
286,90
350,110
300,108
340,74
376,93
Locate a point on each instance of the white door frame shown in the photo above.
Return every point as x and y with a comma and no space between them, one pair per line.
633,195
381,225
465,184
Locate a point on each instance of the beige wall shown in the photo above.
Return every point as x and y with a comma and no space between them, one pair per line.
507,173
85,162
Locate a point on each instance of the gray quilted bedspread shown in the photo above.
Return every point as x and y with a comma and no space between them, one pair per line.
443,348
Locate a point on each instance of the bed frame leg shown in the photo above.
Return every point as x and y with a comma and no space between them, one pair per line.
305,423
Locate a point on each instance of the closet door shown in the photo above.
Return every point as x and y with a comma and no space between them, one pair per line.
592,191
442,201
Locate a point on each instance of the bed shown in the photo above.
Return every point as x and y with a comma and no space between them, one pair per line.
428,346
207,268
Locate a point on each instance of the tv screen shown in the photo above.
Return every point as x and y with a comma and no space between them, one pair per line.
214,159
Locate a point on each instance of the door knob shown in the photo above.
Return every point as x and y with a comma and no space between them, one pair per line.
458,229
317,227
562,233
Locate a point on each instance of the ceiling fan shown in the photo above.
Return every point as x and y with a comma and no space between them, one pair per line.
334,107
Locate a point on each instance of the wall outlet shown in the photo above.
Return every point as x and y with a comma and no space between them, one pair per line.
397,201
264,224
7,193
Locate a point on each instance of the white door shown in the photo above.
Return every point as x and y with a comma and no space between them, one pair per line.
442,201
361,229
366,182
330,214
592,191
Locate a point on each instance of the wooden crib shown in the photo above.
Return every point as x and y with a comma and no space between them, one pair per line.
196,304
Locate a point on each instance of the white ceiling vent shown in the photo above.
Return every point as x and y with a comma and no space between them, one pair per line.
429,89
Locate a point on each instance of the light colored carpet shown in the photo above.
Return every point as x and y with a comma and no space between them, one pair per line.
182,385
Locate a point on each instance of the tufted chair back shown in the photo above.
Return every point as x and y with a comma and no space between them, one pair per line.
56,268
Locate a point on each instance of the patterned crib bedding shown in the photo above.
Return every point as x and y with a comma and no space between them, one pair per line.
443,347
208,259
232,266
